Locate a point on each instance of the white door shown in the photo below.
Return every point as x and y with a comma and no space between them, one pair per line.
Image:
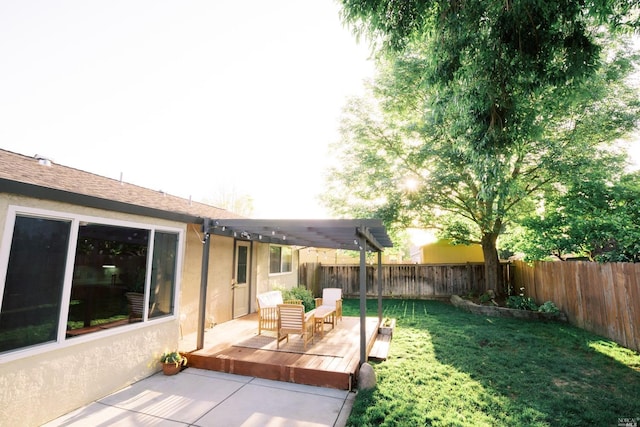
241,281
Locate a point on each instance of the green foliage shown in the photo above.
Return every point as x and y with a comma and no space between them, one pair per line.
393,24
485,298
173,357
301,293
520,302
474,118
448,367
598,218
548,307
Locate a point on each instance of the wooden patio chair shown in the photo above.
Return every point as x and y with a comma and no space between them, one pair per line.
268,310
331,297
293,320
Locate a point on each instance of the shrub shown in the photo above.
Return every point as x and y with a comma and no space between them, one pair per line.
486,297
548,307
300,293
520,302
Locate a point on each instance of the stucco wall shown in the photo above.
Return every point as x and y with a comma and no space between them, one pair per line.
36,389
267,282
220,274
219,298
43,382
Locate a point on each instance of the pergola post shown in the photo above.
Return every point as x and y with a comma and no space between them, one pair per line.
379,287
204,278
363,299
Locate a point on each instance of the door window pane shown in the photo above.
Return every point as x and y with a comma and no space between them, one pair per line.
241,274
31,298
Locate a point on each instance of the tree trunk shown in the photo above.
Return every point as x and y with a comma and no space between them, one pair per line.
492,269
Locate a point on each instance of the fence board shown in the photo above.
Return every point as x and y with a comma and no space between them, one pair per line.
418,281
601,298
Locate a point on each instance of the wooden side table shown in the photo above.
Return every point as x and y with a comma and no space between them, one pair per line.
324,315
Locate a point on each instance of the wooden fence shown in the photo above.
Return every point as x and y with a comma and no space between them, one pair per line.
601,298
421,281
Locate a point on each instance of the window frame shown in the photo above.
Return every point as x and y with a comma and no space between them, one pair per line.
282,263
62,341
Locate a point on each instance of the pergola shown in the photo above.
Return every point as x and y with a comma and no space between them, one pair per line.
353,234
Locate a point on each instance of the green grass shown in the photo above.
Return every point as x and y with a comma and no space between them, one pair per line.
447,367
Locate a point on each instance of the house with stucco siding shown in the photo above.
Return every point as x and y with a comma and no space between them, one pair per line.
76,251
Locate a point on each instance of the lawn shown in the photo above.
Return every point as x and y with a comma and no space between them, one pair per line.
447,367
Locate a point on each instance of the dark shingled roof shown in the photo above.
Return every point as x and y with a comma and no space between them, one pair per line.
34,177
39,178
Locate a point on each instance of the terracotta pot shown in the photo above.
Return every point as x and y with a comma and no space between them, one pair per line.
170,368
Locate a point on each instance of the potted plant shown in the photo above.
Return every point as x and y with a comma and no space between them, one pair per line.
386,327
172,362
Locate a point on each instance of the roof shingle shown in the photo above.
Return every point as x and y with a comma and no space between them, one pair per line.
29,170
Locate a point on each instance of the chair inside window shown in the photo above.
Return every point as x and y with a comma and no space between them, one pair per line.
331,297
293,320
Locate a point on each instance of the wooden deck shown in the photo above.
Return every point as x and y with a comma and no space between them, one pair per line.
332,360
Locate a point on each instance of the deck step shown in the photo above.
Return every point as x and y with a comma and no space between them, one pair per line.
380,349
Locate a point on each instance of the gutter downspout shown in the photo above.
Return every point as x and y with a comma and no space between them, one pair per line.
204,278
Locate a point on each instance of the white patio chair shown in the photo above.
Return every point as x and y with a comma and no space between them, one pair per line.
268,310
331,297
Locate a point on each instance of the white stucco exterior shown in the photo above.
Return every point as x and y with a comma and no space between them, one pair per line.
40,383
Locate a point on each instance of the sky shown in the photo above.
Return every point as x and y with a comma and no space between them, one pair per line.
196,98
191,97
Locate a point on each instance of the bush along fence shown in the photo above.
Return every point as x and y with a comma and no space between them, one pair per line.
419,281
601,298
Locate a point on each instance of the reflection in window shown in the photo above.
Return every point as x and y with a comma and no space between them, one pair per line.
242,264
109,286
31,298
110,265
163,274
280,259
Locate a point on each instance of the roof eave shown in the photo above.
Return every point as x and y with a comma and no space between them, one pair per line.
53,194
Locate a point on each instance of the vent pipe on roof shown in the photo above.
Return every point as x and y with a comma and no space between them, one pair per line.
121,182
42,160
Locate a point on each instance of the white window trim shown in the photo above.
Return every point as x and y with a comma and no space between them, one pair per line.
280,273
76,219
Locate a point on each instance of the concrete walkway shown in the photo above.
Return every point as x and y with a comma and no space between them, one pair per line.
197,397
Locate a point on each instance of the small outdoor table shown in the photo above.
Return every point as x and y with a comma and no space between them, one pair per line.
324,315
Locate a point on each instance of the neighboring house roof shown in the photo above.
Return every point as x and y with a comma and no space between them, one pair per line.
443,251
40,178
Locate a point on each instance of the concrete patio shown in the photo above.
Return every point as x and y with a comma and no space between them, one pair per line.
203,398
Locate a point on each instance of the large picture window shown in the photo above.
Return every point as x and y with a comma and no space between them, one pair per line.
111,280
280,259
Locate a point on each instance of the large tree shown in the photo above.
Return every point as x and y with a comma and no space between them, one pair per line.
597,218
479,105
